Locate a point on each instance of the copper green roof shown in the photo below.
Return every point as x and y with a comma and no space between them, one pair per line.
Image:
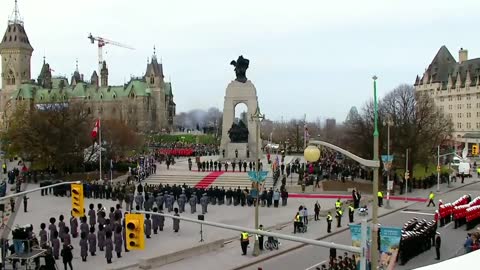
80,90
168,89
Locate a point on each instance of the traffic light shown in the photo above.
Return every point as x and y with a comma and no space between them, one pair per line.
135,235
474,149
77,200
407,175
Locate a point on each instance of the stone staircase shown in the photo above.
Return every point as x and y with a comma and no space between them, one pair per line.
225,180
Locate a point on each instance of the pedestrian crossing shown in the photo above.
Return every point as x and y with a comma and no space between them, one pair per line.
225,180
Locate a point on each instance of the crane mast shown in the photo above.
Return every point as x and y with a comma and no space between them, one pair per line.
101,42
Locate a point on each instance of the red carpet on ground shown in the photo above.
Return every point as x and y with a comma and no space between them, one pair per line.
208,180
333,196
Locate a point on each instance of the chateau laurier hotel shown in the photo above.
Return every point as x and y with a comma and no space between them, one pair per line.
145,103
455,87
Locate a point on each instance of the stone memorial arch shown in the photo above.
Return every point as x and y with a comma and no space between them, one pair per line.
239,141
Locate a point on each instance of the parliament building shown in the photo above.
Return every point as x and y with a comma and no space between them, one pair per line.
144,103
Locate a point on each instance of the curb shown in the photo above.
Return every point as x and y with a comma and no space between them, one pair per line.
332,234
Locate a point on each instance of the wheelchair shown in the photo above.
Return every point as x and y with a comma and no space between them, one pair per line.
302,227
272,243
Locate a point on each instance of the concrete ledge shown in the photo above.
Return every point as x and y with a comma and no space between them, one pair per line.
154,262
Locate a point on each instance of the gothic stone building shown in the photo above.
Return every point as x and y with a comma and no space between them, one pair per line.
455,88
145,103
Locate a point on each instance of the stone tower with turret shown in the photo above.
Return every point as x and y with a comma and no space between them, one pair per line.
15,51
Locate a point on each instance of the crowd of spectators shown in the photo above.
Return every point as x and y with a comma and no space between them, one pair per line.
181,149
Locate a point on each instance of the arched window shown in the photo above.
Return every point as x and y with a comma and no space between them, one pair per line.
10,77
152,80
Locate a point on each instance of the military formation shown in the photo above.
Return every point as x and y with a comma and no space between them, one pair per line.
165,196
418,237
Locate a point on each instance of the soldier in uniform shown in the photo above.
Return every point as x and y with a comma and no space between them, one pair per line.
148,226
43,234
160,200
92,215
139,200
84,228
229,195
215,165
219,166
211,165
92,241
155,221
108,247
204,203
61,228
176,221
101,237
193,203
161,221
181,201
169,202
83,246
73,226
118,241
233,165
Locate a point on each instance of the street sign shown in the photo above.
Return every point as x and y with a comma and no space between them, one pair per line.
390,185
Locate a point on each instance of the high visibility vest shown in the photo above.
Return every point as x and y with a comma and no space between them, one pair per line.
4,165
338,204
340,212
431,196
329,217
244,236
351,208
297,218
478,170
379,194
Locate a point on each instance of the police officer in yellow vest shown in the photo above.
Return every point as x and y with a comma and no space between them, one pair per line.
296,222
339,217
4,167
431,197
351,211
380,198
338,204
244,242
329,222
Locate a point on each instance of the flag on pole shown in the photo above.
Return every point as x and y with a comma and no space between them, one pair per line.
95,129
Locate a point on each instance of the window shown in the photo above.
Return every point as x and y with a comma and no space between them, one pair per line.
469,125
459,106
450,106
441,108
450,115
478,105
468,97
478,95
469,114
478,114
450,98
469,105
459,125
459,97
478,125
459,115
441,99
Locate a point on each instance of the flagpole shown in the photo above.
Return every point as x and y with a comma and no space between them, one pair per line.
304,131
100,143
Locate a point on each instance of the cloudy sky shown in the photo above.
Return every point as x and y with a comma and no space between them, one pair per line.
314,57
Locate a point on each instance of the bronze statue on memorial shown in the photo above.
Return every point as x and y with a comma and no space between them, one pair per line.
241,66
238,133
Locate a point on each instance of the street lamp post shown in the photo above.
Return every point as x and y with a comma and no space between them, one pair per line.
374,251
438,168
257,117
389,162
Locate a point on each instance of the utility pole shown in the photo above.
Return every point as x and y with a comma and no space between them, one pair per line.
374,250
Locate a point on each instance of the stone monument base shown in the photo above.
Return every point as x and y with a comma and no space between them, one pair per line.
240,147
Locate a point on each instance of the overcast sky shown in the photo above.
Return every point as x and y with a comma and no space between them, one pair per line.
314,57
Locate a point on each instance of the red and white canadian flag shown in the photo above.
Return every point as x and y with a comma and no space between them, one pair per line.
95,129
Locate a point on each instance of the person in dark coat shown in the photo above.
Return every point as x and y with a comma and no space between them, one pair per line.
74,226
118,240
176,221
108,228
66,237
43,234
49,259
55,245
108,246
61,227
52,227
83,246
148,226
193,203
155,221
84,228
101,237
204,203
67,256
92,215
92,241
161,221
